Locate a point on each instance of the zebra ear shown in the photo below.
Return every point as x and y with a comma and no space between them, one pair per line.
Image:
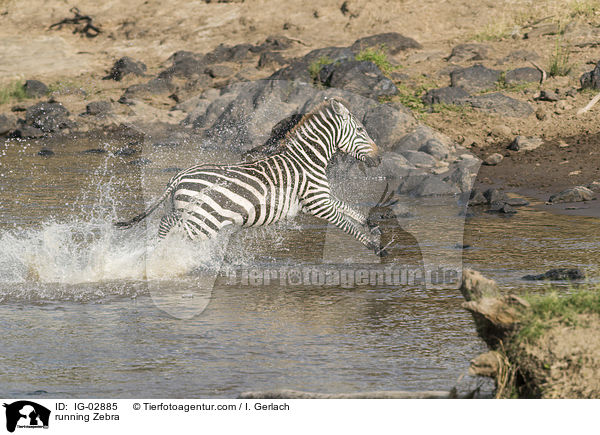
339,109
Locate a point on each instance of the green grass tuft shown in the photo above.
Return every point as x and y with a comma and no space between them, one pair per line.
316,66
12,92
559,62
379,57
552,308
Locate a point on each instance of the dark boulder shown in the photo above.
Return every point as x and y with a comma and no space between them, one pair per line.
468,52
48,117
475,78
7,123
270,59
125,66
98,108
559,274
299,68
494,196
523,75
219,71
477,198
393,42
26,131
274,43
501,104
387,123
361,77
447,95
35,89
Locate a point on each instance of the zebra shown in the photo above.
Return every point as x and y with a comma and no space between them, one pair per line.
207,198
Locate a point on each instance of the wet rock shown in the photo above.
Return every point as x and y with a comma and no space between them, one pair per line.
501,207
447,95
493,159
48,117
591,79
98,108
523,75
7,123
35,89
270,59
45,152
361,77
125,66
394,43
501,104
558,274
219,71
436,149
477,198
516,202
494,196
467,52
419,159
434,186
476,78
415,139
546,95
573,194
462,177
523,143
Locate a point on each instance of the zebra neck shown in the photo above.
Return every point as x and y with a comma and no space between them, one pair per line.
314,141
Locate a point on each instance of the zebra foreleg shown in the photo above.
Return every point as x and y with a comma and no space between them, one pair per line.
330,210
357,216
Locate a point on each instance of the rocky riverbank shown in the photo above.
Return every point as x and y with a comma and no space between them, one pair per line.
541,346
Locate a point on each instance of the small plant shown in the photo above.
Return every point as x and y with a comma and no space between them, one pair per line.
559,62
379,57
551,308
12,92
316,66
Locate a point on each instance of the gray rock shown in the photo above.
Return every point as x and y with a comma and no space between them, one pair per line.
434,186
494,196
298,69
477,198
156,86
387,124
45,152
520,56
501,104
436,149
394,43
573,194
591,79
467,52
493,159
7,123
559,274
27,132
419,159
35,89
270,59
447,95
523,75
48,117
361,77
476,78
98,108
516,202
274,43
548,96
522,143
462,177
219,71
125,66
415,139
186,65
501,207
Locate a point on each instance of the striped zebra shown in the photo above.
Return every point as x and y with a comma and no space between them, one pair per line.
207,198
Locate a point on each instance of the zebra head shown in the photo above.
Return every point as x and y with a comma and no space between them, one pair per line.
353,138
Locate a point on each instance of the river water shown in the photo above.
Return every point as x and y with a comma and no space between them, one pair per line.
87,310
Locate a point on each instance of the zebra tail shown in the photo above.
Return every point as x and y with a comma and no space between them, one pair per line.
128,224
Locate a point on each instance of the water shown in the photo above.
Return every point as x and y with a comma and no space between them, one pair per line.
90,311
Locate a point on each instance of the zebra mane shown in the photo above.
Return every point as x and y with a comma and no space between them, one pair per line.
317,109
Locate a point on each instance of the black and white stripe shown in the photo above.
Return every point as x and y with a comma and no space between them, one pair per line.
206,198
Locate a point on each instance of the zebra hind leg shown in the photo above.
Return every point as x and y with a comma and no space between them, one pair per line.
167,222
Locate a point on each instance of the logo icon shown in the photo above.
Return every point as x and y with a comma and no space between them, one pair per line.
26,414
